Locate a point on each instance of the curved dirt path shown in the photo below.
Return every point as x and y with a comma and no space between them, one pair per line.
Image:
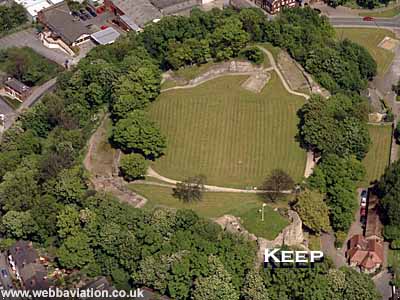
190,86
283,80
209,188
108,183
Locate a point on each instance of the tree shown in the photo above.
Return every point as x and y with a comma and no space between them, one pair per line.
68,222
75,252
254,288
138,133
217,285
253,54
133,166
191,189
19,189
136,89
313,211
229,39
277,182
19,225
69,186
335,125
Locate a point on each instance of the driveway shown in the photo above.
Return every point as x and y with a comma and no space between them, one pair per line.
381,282
30,39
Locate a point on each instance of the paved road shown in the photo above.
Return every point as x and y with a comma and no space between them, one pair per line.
30,39
382,284
359,22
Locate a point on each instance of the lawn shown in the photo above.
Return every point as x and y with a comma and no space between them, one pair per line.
370,38
387,13
378,156
213,205
27,66
393,255
232,136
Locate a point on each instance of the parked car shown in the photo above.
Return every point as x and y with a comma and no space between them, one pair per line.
91,11
363,211
363,220
4,273
364,196
83,12
83,17
368,19
102,27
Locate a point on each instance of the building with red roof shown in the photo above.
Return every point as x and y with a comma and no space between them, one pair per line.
367,254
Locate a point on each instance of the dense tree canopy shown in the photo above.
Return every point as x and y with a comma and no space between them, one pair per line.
335,125
11,16
136,132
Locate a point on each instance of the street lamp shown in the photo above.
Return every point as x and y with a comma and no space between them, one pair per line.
262,211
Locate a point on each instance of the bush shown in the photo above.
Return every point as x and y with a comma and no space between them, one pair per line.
133,166
395,244
341,237
253,54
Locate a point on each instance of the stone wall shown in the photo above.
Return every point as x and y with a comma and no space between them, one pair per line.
291,235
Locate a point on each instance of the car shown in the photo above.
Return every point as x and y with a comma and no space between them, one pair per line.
83,17
102,27
91,11
364,196
83,12
368,19
363,220
4,273
74,14
363,211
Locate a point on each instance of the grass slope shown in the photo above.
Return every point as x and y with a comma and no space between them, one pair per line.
378,155
213,205
387,13
370,38
233,136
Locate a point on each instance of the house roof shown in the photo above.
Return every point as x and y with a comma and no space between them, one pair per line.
366,253
33,6
59,19
98,284
139,11
16,85
128,21
34,277
23,254
161,4
106,36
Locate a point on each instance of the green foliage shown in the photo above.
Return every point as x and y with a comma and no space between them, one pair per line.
335,125
69,186
138,133
28,66
19,225
253,54
337,66
337,177
191,189
136,89
395,244
75,252
11,16
277,182
313,211
254,287
133,166
217,285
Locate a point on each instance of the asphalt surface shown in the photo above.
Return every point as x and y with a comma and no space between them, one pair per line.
359,22
30,39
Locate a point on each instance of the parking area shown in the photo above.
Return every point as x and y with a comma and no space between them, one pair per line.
29,38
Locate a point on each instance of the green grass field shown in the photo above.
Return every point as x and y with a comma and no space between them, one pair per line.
232,136
213,205
370,38
387,13
378,155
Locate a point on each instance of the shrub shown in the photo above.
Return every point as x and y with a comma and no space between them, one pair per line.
133,166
